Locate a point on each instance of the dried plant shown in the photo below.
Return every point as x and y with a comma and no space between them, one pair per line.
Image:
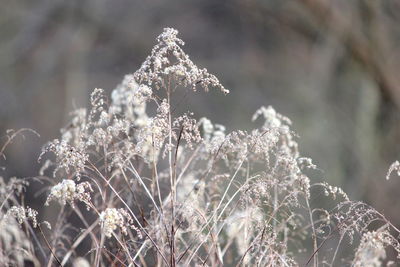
166,189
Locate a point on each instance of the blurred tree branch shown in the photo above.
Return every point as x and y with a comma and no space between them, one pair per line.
370,53
361,30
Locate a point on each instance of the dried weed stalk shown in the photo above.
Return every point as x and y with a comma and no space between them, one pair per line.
165,189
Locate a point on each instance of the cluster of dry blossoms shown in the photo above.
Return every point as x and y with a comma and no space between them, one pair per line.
163,188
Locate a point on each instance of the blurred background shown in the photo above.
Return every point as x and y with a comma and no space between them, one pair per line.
333,67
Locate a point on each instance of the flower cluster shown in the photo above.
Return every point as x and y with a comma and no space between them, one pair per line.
151,137
69,191
129,100
334,191
68,156
201,195
213,135
22,214
111,219
168,59
372,249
